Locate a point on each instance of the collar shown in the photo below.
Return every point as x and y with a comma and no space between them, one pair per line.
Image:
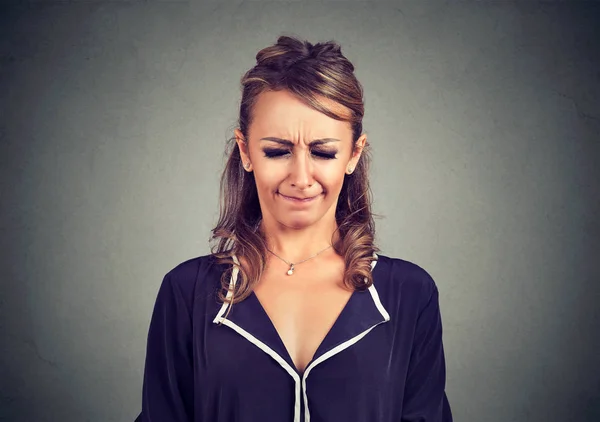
362,312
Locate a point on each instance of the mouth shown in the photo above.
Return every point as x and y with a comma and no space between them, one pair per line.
298,200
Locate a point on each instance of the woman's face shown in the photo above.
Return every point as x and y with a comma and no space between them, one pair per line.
299,157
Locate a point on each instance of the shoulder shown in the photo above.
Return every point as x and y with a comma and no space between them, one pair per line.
407,273
404,283
195,276
189,269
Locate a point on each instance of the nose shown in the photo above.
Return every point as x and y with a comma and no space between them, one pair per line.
301,172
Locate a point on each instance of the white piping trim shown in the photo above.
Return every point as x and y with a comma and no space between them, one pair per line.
346,344
326,356
279,359
232,281
374,262
275,356
380,307
258,343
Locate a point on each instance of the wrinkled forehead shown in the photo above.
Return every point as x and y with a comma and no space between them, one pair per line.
280,113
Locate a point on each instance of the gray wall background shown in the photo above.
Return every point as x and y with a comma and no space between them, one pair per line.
484,120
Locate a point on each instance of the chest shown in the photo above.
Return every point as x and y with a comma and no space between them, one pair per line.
239,380
302,310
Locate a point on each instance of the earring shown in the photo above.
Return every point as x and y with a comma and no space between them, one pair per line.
247,165
350,170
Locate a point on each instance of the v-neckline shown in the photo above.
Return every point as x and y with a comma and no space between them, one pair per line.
316,354
361,313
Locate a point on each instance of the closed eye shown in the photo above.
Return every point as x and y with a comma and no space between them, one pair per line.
277,152
324,154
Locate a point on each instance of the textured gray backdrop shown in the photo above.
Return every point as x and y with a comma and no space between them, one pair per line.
485,125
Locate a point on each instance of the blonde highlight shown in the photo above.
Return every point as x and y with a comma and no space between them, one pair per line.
310,72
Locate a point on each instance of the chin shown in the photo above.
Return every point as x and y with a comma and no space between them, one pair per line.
297,222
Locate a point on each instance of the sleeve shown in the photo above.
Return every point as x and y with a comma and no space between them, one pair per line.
425,398
167,393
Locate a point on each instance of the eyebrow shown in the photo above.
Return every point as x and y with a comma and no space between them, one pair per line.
291,144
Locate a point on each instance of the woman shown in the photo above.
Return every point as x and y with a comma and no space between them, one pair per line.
294,316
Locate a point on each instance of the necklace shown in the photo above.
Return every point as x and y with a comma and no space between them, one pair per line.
291,270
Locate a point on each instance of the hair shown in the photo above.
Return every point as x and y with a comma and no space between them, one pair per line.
309,72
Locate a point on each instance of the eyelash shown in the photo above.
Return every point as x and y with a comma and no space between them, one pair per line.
276,153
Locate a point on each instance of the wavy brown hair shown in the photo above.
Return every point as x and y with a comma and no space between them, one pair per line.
308,71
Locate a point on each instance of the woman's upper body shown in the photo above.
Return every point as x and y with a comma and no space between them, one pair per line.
242,334
381,361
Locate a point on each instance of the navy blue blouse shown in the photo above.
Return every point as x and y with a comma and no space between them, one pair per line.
382,361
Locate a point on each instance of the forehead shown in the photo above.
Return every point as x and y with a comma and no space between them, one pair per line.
280,113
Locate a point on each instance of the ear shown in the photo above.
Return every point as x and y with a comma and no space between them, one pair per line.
358,148
244,151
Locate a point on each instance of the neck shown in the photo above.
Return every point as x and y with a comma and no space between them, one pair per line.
296,244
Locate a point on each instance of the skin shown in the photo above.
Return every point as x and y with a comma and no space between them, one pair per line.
302,307
294,230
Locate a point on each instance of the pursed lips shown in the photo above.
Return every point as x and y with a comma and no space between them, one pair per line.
293,198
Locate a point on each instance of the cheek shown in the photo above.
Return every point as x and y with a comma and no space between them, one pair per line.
332,178
267,179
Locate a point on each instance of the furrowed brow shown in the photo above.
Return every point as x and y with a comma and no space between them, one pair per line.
289,143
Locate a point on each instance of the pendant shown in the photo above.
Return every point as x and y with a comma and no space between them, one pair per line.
291,270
